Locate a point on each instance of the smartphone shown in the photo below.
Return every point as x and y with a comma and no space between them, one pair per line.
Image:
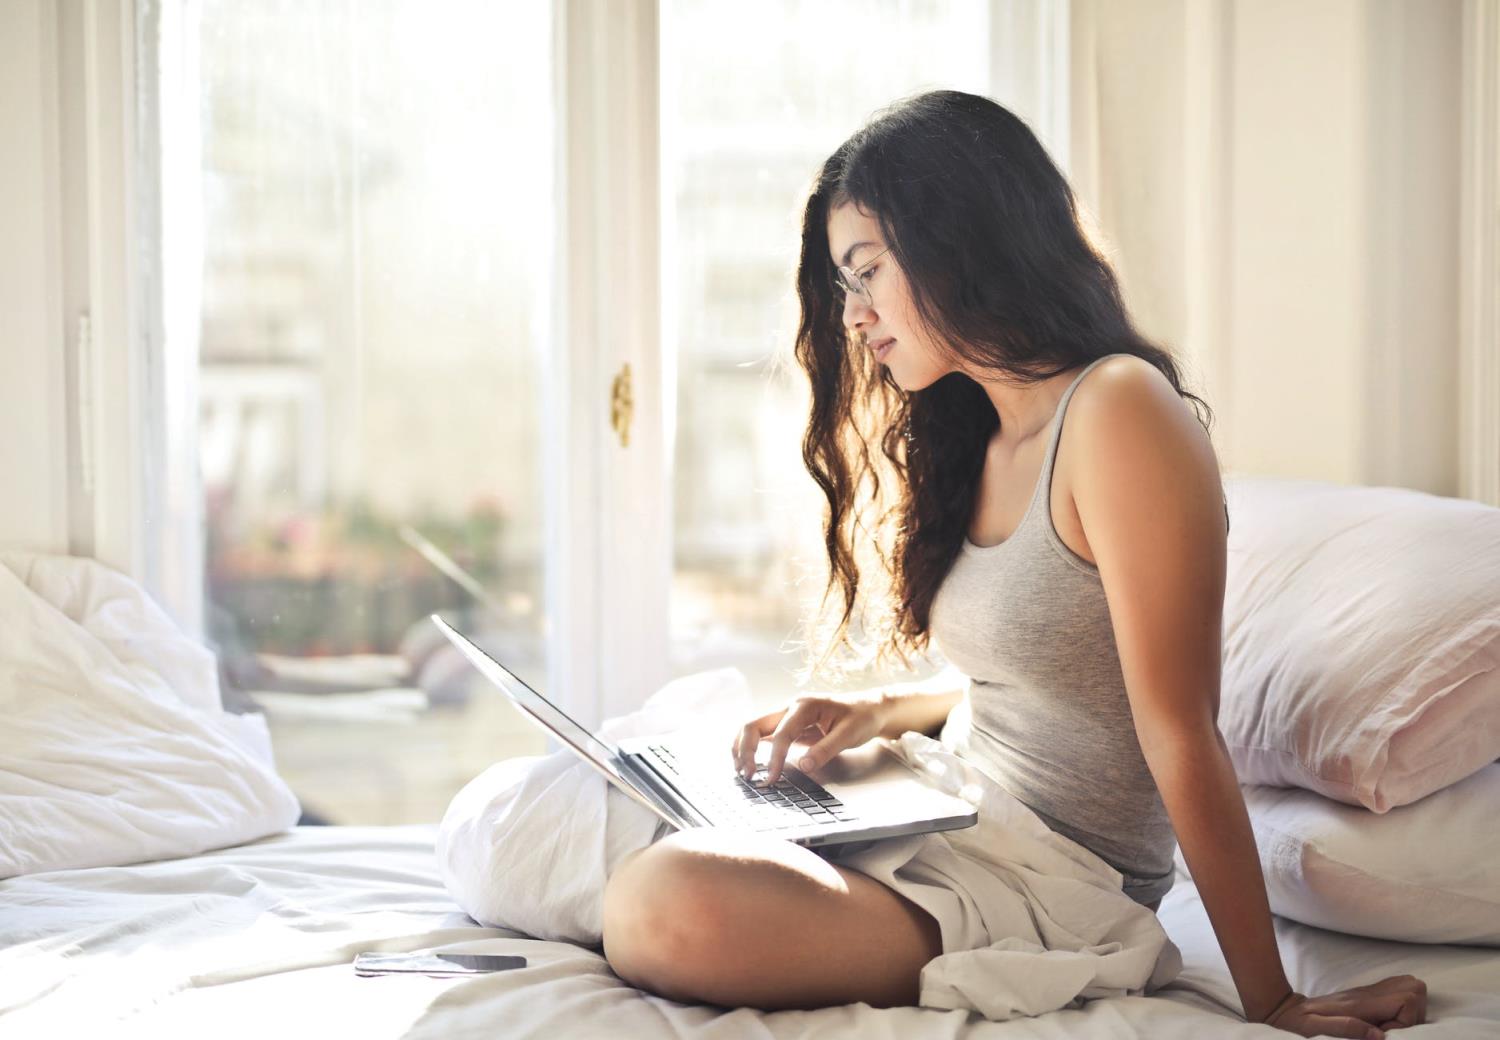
428,962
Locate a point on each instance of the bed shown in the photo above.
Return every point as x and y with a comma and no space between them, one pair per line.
257,940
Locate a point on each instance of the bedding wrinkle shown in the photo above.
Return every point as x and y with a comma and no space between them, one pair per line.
116,747
202,976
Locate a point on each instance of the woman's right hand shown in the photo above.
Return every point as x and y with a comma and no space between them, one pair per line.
835,721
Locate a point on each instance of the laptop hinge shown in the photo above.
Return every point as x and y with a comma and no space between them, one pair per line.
668,795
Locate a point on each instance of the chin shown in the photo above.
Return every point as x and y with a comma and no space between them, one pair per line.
911,382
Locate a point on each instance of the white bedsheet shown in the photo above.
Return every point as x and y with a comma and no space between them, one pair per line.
256,941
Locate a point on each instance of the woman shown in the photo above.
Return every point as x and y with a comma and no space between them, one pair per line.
953,314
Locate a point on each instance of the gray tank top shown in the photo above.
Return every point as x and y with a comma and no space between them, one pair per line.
1046,714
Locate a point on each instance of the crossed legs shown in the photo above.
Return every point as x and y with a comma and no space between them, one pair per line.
743,920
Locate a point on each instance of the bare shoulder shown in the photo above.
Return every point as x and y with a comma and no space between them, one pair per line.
1132,434
1123,384
1128,397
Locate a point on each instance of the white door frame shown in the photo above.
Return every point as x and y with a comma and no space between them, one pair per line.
609,517
107,492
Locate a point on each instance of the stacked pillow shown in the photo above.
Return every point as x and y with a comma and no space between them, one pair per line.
1424,872
1360,701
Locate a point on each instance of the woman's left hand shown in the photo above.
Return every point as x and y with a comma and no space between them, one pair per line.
1364,1011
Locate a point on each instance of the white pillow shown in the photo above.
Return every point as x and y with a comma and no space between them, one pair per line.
113,746
1426,872
1361,639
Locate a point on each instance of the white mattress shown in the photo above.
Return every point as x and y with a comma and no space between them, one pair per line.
256,941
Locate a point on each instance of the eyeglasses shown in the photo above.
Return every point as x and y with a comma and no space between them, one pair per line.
853,281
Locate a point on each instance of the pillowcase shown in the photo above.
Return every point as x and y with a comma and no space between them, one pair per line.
1426,872
113,746
1361,639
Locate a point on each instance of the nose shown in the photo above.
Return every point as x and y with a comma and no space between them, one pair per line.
857,313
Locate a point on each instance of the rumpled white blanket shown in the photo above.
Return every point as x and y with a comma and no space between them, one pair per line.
114,745
1032,921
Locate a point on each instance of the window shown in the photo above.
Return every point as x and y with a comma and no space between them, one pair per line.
375,178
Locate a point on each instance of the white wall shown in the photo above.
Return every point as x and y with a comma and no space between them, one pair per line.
33,422
1279,181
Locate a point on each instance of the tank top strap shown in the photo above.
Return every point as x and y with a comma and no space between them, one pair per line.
1044,486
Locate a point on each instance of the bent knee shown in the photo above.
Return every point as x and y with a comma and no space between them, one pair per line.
706,918
670,908
650,926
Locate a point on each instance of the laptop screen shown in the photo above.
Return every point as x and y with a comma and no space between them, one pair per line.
542,711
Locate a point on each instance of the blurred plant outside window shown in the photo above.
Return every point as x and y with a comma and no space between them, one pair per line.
376,177
754,99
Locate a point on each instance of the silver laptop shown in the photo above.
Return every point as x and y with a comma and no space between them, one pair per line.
860,795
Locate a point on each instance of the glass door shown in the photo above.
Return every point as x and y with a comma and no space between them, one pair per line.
376,183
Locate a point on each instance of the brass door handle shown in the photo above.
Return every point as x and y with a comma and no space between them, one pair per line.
621,405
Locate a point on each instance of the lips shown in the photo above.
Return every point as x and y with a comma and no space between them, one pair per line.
880,348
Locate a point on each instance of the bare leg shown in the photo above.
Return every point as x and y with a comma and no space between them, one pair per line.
745,920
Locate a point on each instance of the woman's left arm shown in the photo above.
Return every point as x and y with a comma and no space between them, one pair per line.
1147,489
1202,796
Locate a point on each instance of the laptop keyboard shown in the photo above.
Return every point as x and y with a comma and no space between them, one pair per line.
794,800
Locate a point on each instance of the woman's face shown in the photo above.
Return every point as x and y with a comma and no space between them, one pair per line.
891,328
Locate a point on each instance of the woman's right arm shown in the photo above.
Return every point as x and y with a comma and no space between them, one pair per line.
844,720
923,705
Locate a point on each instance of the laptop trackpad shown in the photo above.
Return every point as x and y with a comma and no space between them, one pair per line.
865,762
872,780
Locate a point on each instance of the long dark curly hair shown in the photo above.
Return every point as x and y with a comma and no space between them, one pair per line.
1004,275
